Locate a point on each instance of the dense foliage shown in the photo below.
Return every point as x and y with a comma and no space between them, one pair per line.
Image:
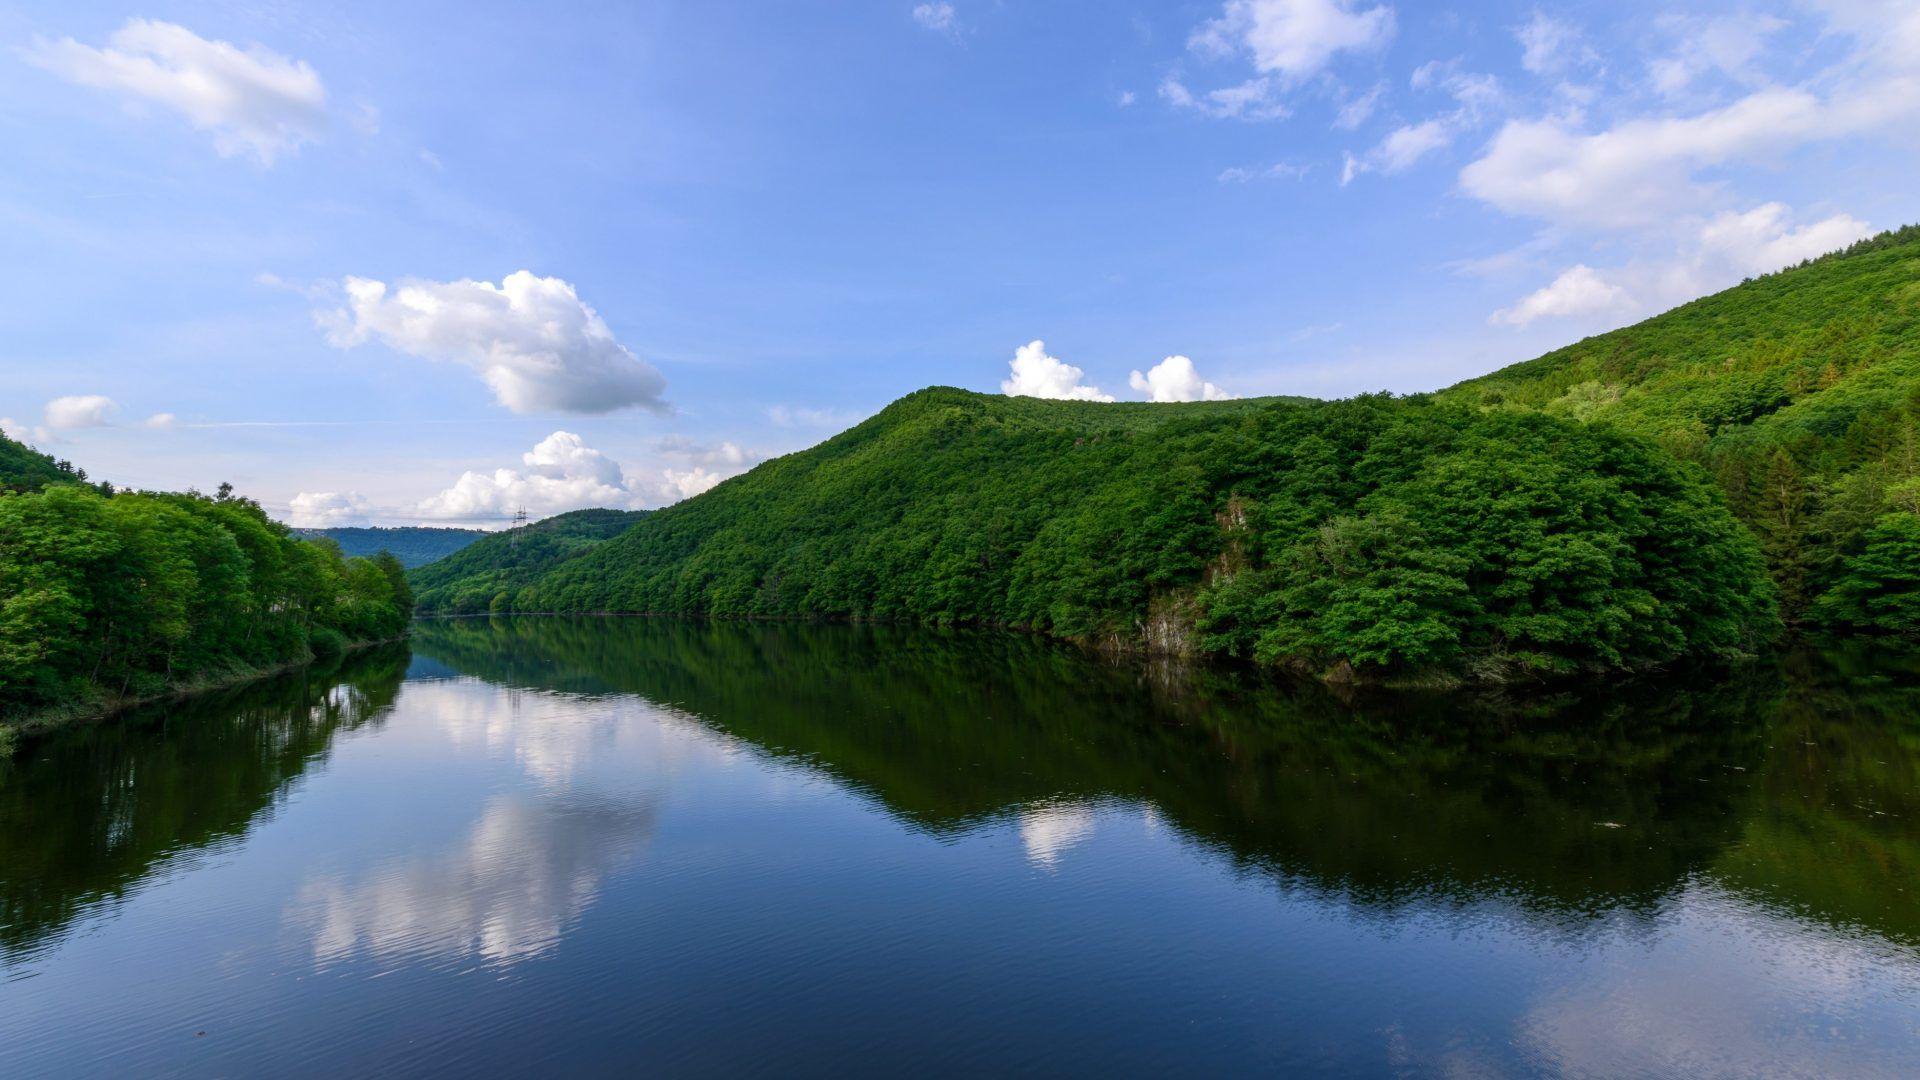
1799,392
23,468
1392,536
487,574
109,598
413,545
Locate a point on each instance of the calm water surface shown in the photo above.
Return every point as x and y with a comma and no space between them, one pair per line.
613,845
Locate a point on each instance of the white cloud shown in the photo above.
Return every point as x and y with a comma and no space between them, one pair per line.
253,100
327,509
1355,111
687,483
531,338
1295,39
1713,255
1402,147
935,16
1728,45
1761,241
1549,46
1287,42
80,411
1474,95
1256,99
1580,292
563,473
1175,379
1638,171
1124,98
1035,374
161,421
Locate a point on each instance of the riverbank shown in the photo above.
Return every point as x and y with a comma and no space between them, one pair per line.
14,730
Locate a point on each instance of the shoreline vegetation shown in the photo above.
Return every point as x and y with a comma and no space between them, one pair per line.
1376,539
15,729
113,598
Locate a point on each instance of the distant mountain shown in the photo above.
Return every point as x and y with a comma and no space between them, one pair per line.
1396,538
23,468
413,546
1799,392
500,564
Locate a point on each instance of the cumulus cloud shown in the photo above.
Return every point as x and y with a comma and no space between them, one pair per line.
559,474
563,473
161,421
935,16
1035,374
1577,293
252,100
327,509
80,411
533,340
1175,379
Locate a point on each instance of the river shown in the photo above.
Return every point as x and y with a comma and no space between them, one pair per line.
609,845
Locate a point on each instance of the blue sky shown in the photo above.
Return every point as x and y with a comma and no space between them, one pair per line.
421,262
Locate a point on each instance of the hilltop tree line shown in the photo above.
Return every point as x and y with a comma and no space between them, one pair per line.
1386,536
1799,393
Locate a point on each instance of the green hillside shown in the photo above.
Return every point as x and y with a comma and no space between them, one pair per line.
469,580
23,468
1394,538
1800,393
412,545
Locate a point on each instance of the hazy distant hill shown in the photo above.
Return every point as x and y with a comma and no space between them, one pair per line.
412,545
470,579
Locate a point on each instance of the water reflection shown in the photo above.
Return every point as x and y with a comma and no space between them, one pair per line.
89,814
565,841
504,893
1798,785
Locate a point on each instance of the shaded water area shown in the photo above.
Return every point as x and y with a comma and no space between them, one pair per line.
608,845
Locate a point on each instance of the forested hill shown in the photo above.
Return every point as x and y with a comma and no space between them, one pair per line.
483,575
412,545
1375,536
1800,393
23,468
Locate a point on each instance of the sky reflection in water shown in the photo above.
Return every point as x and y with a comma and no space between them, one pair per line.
601,844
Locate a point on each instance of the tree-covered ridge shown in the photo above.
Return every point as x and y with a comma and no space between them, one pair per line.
413,545
484,575
1799,392
1393,537
22,468
111,598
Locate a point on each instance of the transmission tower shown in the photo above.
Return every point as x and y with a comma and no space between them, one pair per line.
513,536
